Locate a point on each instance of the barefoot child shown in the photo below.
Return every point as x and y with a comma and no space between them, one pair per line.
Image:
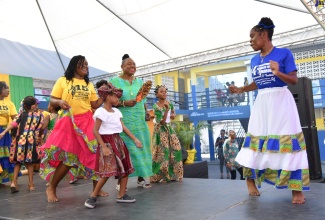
112,158
24,148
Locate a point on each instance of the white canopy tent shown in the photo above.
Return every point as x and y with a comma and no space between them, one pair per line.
38,38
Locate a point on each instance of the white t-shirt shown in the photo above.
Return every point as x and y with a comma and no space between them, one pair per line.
111,121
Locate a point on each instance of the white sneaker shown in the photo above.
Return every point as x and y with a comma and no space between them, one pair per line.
143,184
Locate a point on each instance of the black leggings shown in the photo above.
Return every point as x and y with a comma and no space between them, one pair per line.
233,173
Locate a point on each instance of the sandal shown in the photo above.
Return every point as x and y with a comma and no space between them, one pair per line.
31,187
14,187
144,184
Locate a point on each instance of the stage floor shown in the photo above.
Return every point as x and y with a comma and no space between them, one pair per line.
191,199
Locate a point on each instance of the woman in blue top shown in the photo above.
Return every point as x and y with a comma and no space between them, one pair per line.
274,150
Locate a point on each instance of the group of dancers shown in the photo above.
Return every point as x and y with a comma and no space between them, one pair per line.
102,134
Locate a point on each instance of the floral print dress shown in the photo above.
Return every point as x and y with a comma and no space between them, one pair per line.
167,162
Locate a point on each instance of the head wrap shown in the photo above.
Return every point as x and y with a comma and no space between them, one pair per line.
105,90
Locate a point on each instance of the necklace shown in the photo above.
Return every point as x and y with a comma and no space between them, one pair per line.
263,57
129,80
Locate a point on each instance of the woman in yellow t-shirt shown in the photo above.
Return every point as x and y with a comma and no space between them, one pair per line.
7,111
72,142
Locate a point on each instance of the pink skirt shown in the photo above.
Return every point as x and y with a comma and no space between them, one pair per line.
73,136
118,163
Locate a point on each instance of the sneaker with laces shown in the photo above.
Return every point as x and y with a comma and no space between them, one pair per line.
90,202
126,199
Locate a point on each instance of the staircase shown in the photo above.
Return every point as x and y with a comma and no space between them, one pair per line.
316,9
236,126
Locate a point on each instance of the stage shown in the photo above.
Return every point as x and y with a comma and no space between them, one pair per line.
191,199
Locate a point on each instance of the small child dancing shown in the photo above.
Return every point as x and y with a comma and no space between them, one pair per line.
25,148
112,157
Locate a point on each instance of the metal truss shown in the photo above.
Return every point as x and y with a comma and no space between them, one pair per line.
316,9
295,37
43,84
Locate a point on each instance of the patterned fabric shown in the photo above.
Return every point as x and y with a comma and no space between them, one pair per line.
134,120
8,168
281,179
24,148
230,151
166,151
118,163
105,90
276,143
73,143
274,150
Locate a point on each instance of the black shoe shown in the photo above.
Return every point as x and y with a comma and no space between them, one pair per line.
126,199
91,202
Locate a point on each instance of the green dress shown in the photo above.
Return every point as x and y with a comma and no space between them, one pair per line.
167,162
134,120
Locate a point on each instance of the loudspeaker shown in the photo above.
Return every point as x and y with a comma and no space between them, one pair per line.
313,155
303,95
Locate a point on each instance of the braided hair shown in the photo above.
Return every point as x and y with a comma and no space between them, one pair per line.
158,87
265,24
74,63
28,102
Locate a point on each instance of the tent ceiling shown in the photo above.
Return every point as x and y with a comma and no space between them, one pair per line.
148,30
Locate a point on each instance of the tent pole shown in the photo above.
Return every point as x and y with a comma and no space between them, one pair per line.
56,49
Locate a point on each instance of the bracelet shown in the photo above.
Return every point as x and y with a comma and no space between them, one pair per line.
123,104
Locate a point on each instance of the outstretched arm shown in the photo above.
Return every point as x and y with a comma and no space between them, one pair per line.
9,127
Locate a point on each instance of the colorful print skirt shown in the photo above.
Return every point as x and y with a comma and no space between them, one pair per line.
274,150
167,162
72,143
118,163
7,167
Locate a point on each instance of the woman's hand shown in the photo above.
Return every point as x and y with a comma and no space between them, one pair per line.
172,116
138,143
228,165
235,89
166,105
274,66
106,151
130,103
2,134
64,105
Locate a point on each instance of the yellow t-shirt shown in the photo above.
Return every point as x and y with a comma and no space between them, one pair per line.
7,109
77,93
45,113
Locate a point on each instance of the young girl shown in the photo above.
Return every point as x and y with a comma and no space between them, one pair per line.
167,162
24,148
112,158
